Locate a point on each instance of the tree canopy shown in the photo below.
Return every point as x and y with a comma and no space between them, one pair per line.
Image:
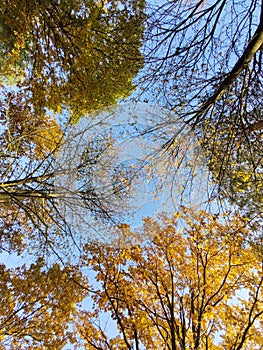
51,184
186,281
204,61
38,304
78,55
76,159
193,283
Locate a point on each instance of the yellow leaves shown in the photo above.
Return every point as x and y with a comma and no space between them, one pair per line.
233,158
83,68
47,137
20,41
187,274
27,132
193,272
39,303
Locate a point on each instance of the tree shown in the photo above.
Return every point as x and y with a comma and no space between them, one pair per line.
28,141
38,301
38,304
190,282
26,133
78,55
233,148
54,181
203,61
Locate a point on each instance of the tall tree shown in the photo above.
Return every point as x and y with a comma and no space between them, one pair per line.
79,55
52,184
28,141
193,283
204,62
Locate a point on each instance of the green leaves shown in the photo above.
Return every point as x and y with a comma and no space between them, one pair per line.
76,55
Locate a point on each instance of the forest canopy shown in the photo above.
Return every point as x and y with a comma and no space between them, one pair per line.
204,62
131,174
77,55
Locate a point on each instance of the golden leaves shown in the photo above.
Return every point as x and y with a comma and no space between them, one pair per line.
68,54
179,288
38,305
26,132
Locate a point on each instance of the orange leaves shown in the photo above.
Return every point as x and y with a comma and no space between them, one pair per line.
26,132
38,305
179,288
46,136
193,282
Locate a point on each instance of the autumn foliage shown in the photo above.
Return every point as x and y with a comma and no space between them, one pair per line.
38,304
26,133
193,283
64,52
189,281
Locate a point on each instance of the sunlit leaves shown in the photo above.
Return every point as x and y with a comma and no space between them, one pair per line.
37,305
26,133
186,286
191,281
232,140
79,55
